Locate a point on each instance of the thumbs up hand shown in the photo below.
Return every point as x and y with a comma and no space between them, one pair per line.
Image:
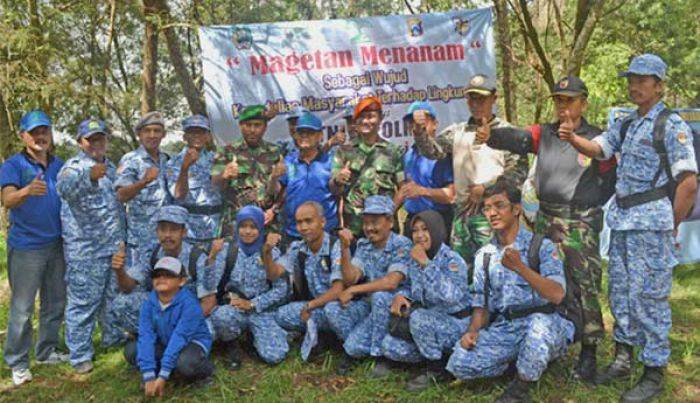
231,170
483,132
279,169
119,258
566,128
37,187
343,176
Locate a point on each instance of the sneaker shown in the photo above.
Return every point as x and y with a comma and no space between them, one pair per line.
83,367
54,358
21,375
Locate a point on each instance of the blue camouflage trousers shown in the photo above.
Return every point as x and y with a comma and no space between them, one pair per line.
639,283
433,333
126,309
532,342
270,340
367,336
91,286
331,317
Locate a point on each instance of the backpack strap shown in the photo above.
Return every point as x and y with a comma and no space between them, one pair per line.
624,128
533,253
195,253
659,145
487,280
231,257
154,256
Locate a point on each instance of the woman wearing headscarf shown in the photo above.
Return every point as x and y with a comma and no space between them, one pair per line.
435,299
251,299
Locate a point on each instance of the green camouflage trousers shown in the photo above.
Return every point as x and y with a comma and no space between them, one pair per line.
469,234
577,233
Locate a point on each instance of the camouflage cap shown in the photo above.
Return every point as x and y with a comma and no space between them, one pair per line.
252,112
378,205
173,214
647,64
151,118
196,121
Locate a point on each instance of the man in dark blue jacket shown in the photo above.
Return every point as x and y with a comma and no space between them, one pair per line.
173,336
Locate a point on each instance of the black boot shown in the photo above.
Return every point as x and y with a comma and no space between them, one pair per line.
586,367
434,372
345,365
650,385
518,391
620,368
233,355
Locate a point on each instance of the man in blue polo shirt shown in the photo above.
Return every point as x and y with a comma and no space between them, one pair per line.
305,175
35,251
429,183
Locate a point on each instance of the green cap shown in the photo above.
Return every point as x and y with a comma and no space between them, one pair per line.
252,112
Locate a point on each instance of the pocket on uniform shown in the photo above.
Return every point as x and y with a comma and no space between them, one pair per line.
657,277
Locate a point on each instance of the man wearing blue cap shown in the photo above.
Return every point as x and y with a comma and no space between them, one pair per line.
134,280
376,269
141,183
35,251
306,176
655,190
429,183
189,180
93,229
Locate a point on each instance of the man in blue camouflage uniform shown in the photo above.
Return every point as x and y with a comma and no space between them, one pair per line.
93,228
643,218
134,281
188,176
374,272
252,297
435,298
141,183
324,284
518,300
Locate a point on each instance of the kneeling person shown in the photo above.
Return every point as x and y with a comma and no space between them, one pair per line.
134,281
173,335
374,272
435,301
308,262
251,298
519,302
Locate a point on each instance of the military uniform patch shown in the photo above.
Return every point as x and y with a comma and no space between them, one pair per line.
453,267
682,138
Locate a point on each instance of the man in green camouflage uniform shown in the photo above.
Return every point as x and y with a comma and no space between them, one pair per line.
368,166
245,170
475,165
571,189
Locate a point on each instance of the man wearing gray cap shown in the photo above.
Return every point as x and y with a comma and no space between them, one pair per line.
141,183
655,190
134,280
93,229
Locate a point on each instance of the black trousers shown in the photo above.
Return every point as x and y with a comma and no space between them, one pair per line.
192,364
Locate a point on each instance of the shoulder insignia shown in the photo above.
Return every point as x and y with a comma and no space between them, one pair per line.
682,138
453,267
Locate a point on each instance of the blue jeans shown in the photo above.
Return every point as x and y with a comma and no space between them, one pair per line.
30,271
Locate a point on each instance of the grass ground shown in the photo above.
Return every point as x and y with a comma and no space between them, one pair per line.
295,381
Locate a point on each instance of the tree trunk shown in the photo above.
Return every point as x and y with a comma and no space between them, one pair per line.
6,133
193,96
578,51
506,49
149,52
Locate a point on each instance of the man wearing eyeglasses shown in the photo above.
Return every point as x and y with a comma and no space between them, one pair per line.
572,188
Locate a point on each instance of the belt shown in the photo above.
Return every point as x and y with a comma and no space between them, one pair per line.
642,197
510,314
203,210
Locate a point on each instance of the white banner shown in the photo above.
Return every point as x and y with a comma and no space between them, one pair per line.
324,65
